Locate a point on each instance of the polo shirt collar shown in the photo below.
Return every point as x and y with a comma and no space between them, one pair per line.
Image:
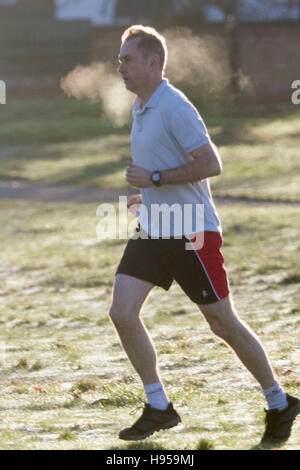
153,100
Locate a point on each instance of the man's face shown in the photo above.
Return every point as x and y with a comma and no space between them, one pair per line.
133,67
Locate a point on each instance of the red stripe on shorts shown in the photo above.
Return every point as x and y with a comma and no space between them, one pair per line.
212,261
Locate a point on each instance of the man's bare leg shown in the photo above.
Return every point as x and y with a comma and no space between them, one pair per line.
226,324
129,295
128,298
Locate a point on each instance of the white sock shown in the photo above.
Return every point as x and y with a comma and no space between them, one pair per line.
275,397
156,396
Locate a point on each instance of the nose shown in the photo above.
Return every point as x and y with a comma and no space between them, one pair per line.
120,68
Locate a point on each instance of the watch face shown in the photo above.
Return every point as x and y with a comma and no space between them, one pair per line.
156,177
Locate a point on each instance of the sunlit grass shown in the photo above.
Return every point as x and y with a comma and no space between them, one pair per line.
66,382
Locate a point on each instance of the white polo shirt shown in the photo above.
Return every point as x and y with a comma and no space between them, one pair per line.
164,132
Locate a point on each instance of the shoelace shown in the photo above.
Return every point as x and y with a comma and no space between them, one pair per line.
135,410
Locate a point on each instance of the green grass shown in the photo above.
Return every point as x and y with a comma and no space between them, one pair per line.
66,382
75,143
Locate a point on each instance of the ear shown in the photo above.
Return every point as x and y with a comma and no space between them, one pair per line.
155,61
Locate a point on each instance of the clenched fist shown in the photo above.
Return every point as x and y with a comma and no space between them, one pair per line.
138,177
134,203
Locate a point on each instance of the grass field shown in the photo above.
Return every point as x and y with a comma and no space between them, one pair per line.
65,381
74,143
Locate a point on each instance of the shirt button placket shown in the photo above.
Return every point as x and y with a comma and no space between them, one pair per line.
139,123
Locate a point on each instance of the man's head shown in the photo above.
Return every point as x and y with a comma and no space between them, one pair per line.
142,58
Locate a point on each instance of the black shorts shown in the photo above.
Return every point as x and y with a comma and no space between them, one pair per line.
199,272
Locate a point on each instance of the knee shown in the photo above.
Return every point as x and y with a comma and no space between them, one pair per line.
223,319
121,316
227,331
219,329
117,314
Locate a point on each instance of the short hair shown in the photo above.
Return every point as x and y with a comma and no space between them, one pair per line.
151,42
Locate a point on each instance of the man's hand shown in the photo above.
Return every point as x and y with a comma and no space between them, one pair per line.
134,203
138,177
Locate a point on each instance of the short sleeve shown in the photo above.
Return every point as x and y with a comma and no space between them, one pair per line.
187,126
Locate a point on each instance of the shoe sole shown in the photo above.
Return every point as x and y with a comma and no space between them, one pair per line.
168,425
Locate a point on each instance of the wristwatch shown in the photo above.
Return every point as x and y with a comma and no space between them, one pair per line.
156,178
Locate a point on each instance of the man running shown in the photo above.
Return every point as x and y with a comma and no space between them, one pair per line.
173,157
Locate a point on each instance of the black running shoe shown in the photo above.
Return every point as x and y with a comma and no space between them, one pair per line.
279,423
151,420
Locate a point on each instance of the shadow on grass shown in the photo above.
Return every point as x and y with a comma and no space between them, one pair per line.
60,120
16,158
232,123
140,445
148,444
229,132
90,171
63,120
291,279
268,446
26,126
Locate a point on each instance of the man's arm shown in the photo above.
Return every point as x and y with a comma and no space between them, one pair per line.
205,163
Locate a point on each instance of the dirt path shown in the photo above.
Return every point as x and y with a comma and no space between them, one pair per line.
51,192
